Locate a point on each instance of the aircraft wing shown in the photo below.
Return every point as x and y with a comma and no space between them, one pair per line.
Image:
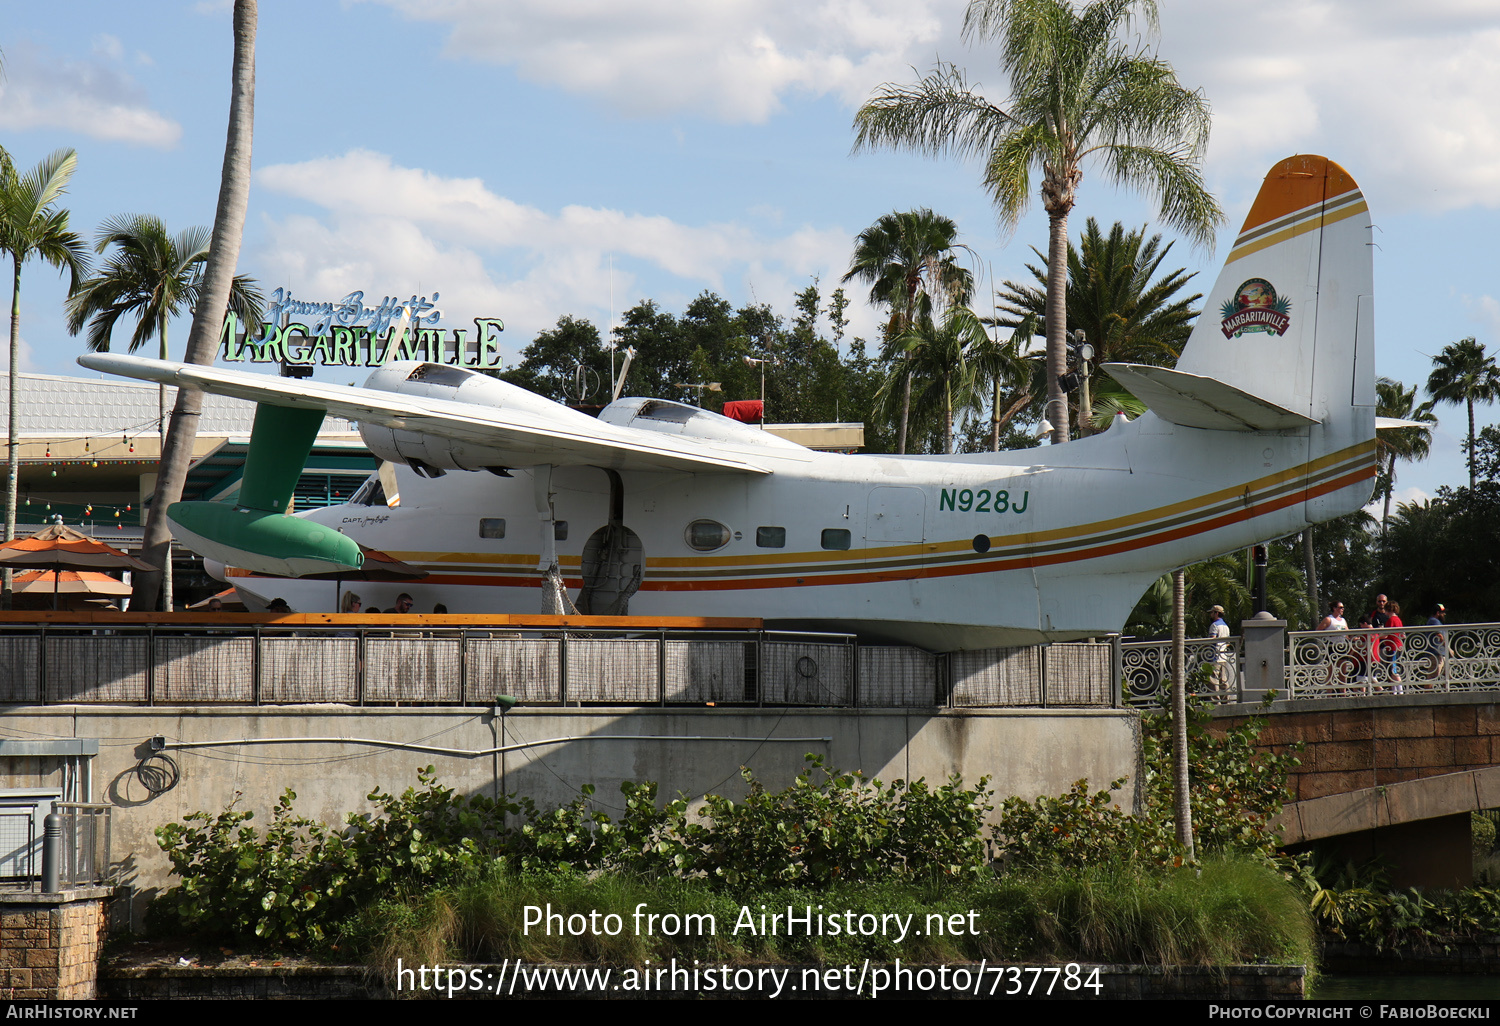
527,432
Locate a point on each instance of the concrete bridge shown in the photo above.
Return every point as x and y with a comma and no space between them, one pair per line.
1388,776
1399,727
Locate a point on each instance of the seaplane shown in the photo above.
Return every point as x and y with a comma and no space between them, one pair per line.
513,503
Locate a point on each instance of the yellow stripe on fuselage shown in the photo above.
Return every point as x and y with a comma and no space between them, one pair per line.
1051,543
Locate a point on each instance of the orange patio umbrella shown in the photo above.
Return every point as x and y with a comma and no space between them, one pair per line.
58,547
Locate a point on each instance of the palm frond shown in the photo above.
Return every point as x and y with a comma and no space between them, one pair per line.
942,115
152,275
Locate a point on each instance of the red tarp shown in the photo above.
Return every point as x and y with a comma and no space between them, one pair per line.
746,411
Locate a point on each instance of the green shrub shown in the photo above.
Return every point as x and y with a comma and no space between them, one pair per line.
292,884
1081,829
1236,791
830,827
280,888
1482,830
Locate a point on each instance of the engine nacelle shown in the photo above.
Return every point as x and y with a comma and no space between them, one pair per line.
428,455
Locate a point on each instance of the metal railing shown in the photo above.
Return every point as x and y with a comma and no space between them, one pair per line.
1393,661
1146,670
84,859
20,842
78,856
364,666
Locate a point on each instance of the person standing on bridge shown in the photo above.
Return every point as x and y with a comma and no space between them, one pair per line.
1391,644
1437,641
1343,667
1219,631
1334,619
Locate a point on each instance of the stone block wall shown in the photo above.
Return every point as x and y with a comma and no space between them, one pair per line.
1353,743
50,943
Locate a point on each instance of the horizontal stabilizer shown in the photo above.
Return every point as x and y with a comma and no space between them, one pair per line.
1196,401
1392,424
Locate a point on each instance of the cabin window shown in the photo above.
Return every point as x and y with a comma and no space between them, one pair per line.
492,527
770,537
835,538
560,530
707,535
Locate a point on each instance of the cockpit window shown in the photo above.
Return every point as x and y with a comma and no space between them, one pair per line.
672,413
440,374
371,493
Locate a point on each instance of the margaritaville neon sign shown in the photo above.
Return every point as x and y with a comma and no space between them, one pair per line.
350,334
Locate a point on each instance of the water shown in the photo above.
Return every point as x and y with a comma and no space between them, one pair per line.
1405,988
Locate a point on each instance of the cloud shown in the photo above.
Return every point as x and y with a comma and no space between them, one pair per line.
91,97
1403,95
735,60
1484,309
386,226
1399,497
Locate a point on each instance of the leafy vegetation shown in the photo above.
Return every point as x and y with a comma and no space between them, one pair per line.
1236,792
432,874
293,884
1231,912
1078,89
1127,313
1357,903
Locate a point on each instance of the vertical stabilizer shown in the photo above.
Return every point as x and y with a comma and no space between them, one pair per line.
1286,338
1283,321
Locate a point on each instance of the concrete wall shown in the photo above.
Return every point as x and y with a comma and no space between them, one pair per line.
1026,752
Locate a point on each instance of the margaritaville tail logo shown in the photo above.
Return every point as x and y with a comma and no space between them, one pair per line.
1256,307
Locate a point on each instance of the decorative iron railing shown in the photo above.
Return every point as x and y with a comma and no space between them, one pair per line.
1393,661
1146,670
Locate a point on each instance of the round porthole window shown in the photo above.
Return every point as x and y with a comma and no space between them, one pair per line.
707,535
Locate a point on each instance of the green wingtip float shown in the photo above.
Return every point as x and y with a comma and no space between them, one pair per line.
253,533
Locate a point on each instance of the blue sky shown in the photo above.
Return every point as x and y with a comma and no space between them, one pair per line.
535,158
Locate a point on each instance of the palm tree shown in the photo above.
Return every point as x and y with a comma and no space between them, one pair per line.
1078,90
32,226
910,261
1395,400
152,275
208,316
1462,373
1010,371
1127,313
936,354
